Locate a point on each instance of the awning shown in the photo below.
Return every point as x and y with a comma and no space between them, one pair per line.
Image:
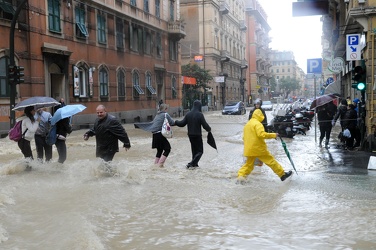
151,89
138,89
333,88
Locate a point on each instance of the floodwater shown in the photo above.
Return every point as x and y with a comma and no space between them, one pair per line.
78,205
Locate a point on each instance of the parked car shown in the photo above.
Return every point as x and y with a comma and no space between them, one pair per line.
267,105
234,108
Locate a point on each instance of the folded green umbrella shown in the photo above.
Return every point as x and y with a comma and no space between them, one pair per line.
288,154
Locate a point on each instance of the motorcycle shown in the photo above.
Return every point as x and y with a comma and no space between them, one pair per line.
283,125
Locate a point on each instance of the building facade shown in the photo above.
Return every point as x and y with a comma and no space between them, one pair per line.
124,55
354,17
216,31
258,52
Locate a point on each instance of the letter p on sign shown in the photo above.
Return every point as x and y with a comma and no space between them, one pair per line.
314,66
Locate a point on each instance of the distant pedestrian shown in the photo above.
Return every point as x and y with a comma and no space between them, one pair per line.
325,117
29,127
43,149
357,135
350,123
195,119
254,136
159,104
63,128
257,105
107,131
159,142
342,109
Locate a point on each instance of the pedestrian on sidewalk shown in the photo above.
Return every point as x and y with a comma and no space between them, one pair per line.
159,142
325,117
350,123
107,131
254,136
195,119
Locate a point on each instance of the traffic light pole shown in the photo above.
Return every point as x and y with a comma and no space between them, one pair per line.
12,102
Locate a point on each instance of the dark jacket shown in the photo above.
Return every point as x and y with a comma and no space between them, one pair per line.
350,119
107,132
194,119
324,116
341,114
63,127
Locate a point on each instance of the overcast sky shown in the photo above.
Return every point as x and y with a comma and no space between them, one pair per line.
302,35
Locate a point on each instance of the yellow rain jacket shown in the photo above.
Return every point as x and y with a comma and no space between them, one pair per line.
254,136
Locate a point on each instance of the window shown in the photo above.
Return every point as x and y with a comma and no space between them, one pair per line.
172,10
6,9
135,38
173,48
119,33
137,90
54,15
103,83
159,44
157,8
121,83
81,30
101,28
173,88
4,86
150,90
146,6
133,3
147,42
81,83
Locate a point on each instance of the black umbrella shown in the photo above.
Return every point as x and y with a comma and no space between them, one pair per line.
37,102
288,154
211,141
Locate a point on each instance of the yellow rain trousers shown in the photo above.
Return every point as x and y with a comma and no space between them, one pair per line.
254,136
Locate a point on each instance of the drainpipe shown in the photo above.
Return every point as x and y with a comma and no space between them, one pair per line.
372,81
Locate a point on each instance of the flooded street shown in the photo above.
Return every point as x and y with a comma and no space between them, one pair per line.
79,206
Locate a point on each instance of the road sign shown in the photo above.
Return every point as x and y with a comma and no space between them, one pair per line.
329,80
353,47
314,66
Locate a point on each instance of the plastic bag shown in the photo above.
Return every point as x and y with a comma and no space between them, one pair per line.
346,133
166,128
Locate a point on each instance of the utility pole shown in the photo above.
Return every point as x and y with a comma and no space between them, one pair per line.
12,102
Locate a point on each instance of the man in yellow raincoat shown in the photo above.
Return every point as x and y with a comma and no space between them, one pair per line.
254,136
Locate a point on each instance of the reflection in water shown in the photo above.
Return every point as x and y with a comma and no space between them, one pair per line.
131,204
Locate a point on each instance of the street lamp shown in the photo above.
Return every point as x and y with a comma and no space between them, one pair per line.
244,65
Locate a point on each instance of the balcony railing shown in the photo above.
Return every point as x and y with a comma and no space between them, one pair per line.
225,56
176,29
224,8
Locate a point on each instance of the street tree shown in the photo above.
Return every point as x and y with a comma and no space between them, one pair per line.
288,85
197,91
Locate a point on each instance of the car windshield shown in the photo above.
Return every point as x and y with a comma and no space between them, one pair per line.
267,102
232,104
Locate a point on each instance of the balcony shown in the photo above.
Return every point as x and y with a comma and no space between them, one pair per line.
224,8
244,64
176,30
225,56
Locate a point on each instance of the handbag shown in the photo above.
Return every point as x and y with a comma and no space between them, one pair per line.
166,128
346,133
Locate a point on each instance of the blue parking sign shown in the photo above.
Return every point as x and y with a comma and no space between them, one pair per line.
314,66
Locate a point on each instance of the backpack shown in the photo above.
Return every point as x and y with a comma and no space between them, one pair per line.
51,135
15,133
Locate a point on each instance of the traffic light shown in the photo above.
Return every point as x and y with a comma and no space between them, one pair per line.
360,79
15,74
19,74
11,74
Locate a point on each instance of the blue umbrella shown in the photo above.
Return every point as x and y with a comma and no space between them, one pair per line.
66,111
